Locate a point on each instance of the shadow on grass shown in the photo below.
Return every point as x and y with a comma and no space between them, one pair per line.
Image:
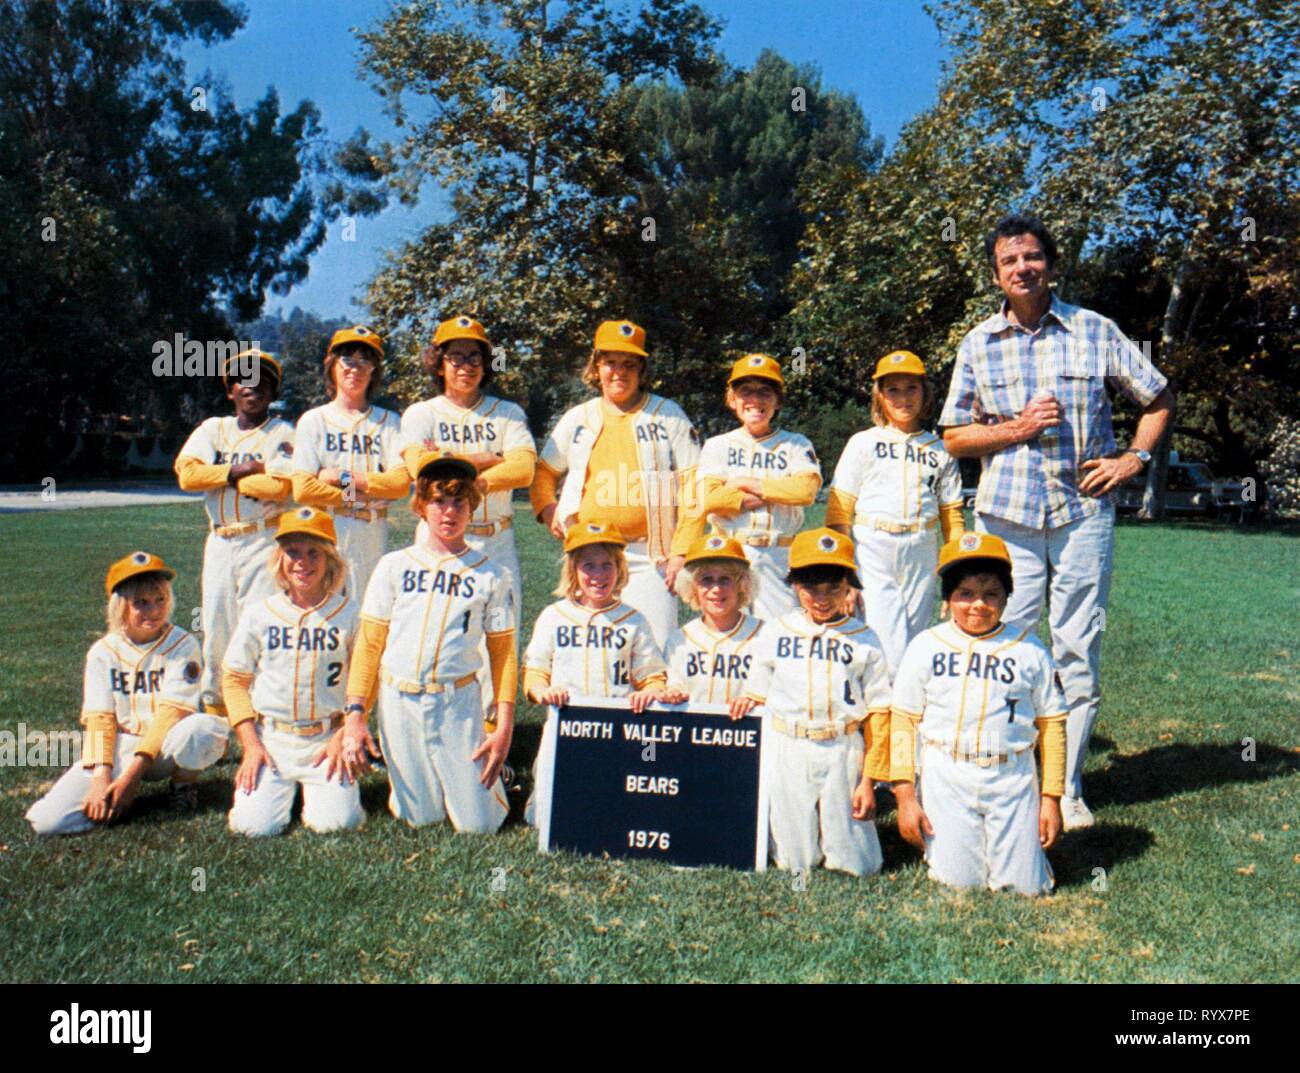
1181,768
1079,853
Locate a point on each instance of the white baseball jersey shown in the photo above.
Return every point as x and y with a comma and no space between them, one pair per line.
833,672
712,667
131,680
220,440
903,477
978,695
298,658
595,653
437,609
494,426
738,454
366,443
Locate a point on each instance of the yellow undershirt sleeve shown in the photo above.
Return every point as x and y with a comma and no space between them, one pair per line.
951,520
797,491
841,508
266,486
876,735
167,717
311,491
409,456
363,672
718,498
99,739
515,471
902,746
1051,749
196,476
658,680
235,686
536,682
542,493
391,484
503,661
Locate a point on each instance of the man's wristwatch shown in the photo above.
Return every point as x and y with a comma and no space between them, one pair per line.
1143,456
358,709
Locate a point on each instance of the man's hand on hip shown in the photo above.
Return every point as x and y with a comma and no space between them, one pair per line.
1101,475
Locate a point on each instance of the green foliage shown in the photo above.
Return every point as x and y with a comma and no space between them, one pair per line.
133,208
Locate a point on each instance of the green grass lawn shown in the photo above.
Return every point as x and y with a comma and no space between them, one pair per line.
1199,849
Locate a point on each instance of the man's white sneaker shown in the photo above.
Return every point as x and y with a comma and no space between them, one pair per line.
1075,814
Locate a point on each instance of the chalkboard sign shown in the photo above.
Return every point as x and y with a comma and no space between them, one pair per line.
677,783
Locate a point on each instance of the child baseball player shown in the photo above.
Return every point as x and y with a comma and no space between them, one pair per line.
752,484
284,679
243,464
709,658
423,621
138,708
980,696
894,483
820,675
347,458
589,642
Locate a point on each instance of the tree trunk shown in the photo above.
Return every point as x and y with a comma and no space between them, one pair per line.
1153,499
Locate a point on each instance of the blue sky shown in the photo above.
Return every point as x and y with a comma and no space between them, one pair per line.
884,52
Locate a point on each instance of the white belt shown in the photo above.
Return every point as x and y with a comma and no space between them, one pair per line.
886,525
405,685
761,538
488,529
814,731
244,528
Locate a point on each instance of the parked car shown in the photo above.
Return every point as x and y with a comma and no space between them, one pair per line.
1193,490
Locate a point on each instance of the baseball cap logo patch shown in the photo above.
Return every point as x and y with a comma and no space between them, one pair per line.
305,513
898,359
593,527
463,322
969,541
362,330
625,330
755,361
826,543
139,558
714,543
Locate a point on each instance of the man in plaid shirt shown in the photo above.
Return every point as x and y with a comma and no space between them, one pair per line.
1029,397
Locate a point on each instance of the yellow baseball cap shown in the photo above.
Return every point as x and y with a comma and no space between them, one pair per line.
621,335
358,333
822,547
715,546
899,361
269,366
757,367
584,533
306,521
444,464
461,328
133,565
972,546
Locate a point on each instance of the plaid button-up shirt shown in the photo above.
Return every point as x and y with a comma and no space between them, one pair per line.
1072,354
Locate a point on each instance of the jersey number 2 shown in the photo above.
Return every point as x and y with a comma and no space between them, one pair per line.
335,670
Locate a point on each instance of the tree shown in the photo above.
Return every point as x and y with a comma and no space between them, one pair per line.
136,205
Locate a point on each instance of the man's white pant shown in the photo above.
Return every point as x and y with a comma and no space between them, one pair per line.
196,742
811,816
236,574
500,548
647,592
768,567
898,585
361,545
327,804
985,822
1070,565
427,740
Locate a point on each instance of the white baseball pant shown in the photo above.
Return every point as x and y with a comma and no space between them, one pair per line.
811,816
1071,566
361,545
985,822
327,804
898,585
543,769
647,593
235,574
427,740
196,742
768,567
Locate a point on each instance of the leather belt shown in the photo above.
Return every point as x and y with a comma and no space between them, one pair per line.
489,528
814,733
307,728
900,527
765,540
404,685
361,514
978,759
244,528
